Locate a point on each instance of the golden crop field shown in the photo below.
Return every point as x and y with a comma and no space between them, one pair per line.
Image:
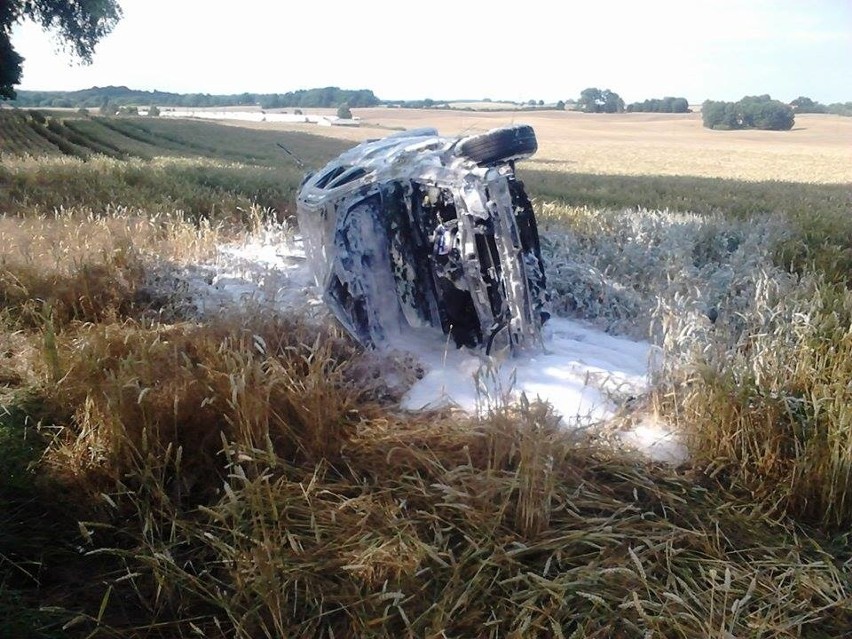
818,149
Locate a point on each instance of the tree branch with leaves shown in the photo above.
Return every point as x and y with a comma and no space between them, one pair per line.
79,25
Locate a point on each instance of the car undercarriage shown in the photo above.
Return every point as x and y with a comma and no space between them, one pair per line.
424,231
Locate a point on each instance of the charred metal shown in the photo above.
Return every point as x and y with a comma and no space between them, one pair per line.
421,230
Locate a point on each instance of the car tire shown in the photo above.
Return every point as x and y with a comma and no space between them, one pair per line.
500,145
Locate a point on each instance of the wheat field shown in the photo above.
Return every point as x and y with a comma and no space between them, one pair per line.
818,149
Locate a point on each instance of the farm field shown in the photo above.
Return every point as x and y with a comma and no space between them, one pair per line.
250,472
818,149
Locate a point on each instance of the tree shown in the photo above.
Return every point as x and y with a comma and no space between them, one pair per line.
153,111
79,25
803,104
612,102
655,105
590,100
762,112
680,105
713,114
344,112
840,108
593,100
271,101
560,106
752,112
772,116
10,62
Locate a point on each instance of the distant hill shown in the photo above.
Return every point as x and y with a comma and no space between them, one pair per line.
123,96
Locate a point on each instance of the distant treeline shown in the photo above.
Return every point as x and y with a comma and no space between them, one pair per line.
97,97
837,108
664,105
592,100
804,104
326,97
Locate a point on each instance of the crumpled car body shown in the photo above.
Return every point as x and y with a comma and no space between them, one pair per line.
421,230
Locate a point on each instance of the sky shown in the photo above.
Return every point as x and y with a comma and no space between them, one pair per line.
465,49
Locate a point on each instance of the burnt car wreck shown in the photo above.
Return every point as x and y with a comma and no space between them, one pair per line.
427,231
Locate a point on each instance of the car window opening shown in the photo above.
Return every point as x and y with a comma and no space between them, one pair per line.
347,177
323,180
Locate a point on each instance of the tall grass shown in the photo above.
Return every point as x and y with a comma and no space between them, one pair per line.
614,267
737,199
250,491
756,358
247,475
817,214
768,407
78,266
241,480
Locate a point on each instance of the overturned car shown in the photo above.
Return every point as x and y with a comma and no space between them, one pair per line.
422,230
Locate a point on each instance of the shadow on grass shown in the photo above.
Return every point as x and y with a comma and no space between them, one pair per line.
37,533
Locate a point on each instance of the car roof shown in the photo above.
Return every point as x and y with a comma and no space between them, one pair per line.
378,153
406,151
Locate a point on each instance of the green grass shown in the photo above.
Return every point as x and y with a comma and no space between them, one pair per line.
252,146
819,214
21,445
200,188
146,138
735,198
17,136
200,168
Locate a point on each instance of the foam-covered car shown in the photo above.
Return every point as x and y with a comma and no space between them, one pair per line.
421,230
